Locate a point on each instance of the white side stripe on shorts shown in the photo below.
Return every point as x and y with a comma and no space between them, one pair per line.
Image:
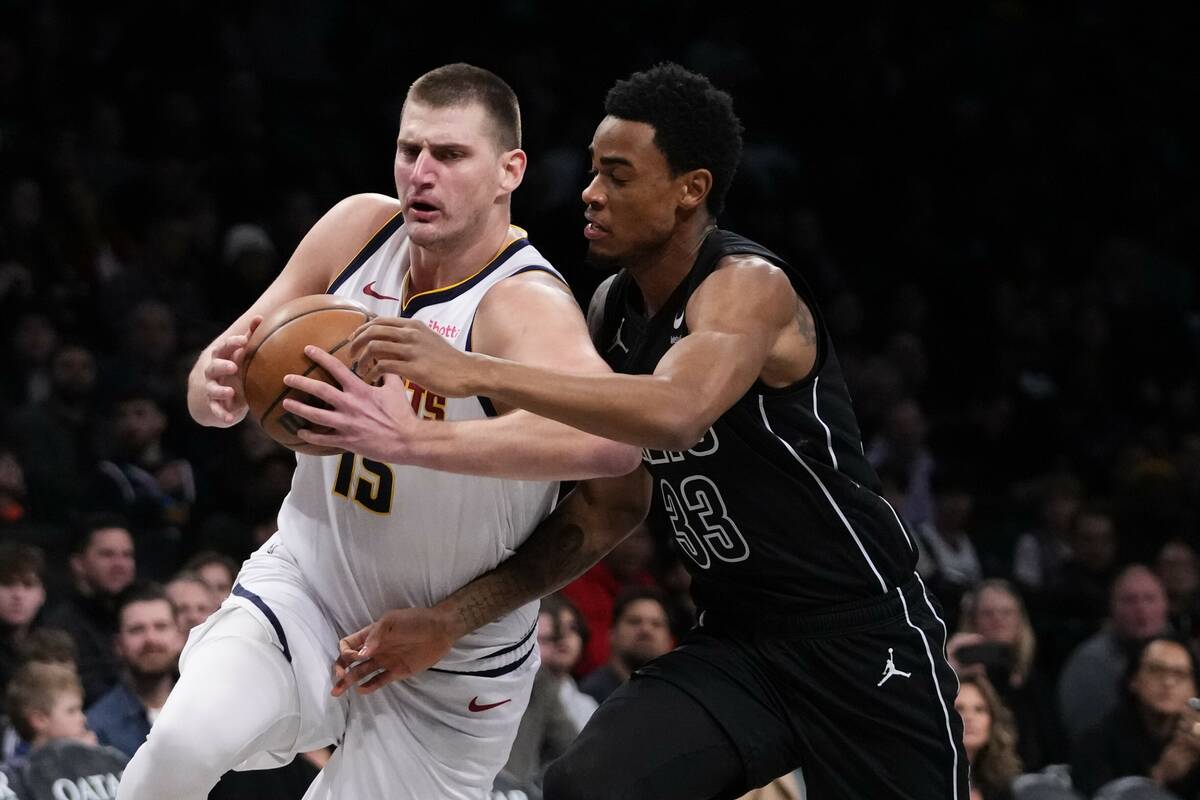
762,409
937,687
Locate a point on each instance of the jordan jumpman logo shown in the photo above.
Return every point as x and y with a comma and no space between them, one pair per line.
617,339
890,671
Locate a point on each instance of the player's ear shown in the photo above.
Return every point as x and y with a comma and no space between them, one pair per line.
694,187
512,166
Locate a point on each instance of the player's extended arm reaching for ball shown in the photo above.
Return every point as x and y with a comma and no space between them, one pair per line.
745,323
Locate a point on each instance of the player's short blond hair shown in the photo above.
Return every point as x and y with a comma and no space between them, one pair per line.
462,84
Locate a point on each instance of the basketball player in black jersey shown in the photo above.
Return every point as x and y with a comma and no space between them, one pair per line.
818,647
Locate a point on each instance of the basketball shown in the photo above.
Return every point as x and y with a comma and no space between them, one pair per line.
276,349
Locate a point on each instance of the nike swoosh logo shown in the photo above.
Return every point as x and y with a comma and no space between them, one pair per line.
678,319
475,705
369,291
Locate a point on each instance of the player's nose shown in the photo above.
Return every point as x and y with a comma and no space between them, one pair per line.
592,195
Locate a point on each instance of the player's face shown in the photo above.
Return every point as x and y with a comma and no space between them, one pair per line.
148,637
976,717
21,600
632,198
449,172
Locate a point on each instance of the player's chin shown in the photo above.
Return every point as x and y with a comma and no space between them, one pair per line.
601,256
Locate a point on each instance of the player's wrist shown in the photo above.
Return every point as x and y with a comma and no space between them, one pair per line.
450,619
481,377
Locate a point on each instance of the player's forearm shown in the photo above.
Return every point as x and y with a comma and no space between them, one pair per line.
586,525
197,400
642,410
516,446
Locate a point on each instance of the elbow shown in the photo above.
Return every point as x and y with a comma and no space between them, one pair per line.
679,434
613,459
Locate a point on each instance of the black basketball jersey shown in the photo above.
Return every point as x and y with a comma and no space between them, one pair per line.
776,508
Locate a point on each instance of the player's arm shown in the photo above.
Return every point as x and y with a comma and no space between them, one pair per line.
214,384
736,319
589,522
530,318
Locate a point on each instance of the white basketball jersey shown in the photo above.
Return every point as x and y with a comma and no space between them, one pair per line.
371,537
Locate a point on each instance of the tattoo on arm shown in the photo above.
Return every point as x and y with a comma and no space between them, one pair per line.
804,320
557,552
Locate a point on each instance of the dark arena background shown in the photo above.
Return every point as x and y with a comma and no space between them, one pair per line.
997,205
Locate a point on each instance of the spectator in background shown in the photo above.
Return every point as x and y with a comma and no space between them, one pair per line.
44,701
22,595
948,560
1040,553
33,344
1074,603
545,732
562,633
55,439
149,343
989,737
996,639
640,633
153,489
1177,568
102,566
594,593
217,570
193,598
148,644
12,490
1090,684
1151,731
903,448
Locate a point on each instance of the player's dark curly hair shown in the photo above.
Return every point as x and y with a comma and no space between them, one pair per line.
694,124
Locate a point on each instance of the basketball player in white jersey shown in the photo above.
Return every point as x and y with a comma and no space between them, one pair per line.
358,537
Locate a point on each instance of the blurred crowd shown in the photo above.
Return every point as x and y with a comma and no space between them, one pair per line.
995,204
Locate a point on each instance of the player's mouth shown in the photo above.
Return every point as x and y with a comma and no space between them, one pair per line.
421,211
592,230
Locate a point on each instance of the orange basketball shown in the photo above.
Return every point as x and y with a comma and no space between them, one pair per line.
277,348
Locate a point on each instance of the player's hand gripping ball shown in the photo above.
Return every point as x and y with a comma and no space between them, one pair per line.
277,348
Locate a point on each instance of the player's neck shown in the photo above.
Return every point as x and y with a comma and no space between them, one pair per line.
658,272
435,268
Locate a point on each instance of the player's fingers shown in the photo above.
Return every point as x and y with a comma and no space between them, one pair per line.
342,680
361,670
220,368
350,647
220,412
326,393
333,366
322,439
318,416
219,392
382,679
254,323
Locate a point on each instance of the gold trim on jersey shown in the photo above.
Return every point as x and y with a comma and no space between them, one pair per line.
521,233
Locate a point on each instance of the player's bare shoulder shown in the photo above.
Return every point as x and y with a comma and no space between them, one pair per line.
745,281
340,234
359,217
